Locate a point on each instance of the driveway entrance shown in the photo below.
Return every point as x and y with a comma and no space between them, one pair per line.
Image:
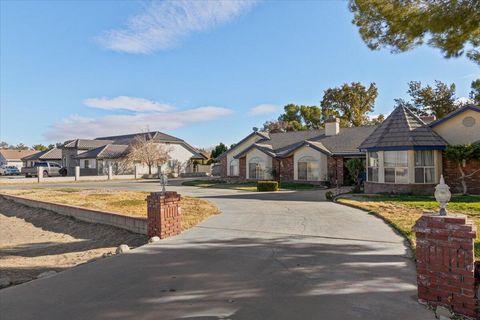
266,256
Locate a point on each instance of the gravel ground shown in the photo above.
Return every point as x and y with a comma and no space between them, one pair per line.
33,241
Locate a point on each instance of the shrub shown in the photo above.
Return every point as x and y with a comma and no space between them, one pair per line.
329,195
267,186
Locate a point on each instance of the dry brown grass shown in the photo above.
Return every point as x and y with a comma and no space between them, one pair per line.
402,214
125,202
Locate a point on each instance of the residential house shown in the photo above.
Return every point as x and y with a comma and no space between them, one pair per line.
405,154
314,156
13,157
94,156
51,155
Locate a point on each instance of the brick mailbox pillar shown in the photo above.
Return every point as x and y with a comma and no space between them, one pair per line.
446,263
163,214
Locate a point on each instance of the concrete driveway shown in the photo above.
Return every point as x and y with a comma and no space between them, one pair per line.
266,256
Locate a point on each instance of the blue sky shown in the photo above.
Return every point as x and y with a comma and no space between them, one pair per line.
193,69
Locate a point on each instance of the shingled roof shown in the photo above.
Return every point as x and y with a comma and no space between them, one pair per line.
282,144
52,154
155,135
109,151
86,144
402,130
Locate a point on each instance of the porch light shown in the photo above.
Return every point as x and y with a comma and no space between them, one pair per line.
442,195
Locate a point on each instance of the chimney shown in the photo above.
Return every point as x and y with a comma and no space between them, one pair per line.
428,119
332,126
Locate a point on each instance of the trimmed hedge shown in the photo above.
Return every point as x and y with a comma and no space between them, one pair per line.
267,186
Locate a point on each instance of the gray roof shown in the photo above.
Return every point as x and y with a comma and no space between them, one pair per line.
155,135
402,130
109,151
86,144
282,144
52,154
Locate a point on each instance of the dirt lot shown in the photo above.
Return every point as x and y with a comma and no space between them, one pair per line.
33,241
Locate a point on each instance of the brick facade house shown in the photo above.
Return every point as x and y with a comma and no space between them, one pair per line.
315,156
404,154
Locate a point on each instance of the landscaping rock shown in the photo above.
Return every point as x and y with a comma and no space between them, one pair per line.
47,274
153,239
122,249
5,282
443,313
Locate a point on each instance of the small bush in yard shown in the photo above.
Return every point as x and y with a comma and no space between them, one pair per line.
329,195
267,186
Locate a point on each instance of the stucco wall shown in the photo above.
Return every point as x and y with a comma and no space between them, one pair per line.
239,148
318,156
455,132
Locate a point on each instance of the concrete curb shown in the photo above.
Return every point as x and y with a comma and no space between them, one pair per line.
133,224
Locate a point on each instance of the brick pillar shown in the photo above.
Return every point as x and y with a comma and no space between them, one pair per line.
163,214
446,262
242,168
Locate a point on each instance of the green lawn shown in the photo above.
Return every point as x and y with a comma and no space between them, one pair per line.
247,186
402,211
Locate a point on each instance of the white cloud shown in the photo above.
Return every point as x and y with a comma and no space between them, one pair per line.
163,24
76,126
263,109
127,103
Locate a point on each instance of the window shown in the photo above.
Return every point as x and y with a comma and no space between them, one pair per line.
424,166
372,171
234,167
256,169
86,164
307,169
396,166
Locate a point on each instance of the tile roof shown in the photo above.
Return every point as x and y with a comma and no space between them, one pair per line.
401,130
282,144
52,154
109,151
13,154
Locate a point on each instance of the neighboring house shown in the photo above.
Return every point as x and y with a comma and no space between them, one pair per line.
52,155
315,156
93,156
12,157
405,154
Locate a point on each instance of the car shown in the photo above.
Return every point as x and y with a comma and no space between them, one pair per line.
9,171
48,169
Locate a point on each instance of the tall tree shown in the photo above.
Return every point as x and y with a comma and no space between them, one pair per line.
39,147
4,145
218,150
451,26
292,116
438,101
350,103
311,116
475,92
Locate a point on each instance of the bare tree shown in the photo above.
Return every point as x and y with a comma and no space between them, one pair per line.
146,151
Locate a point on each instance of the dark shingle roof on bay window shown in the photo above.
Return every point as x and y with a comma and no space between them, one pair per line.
402,130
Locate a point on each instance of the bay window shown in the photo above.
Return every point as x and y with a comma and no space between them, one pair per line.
372,167
424,166
307,169
396,166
